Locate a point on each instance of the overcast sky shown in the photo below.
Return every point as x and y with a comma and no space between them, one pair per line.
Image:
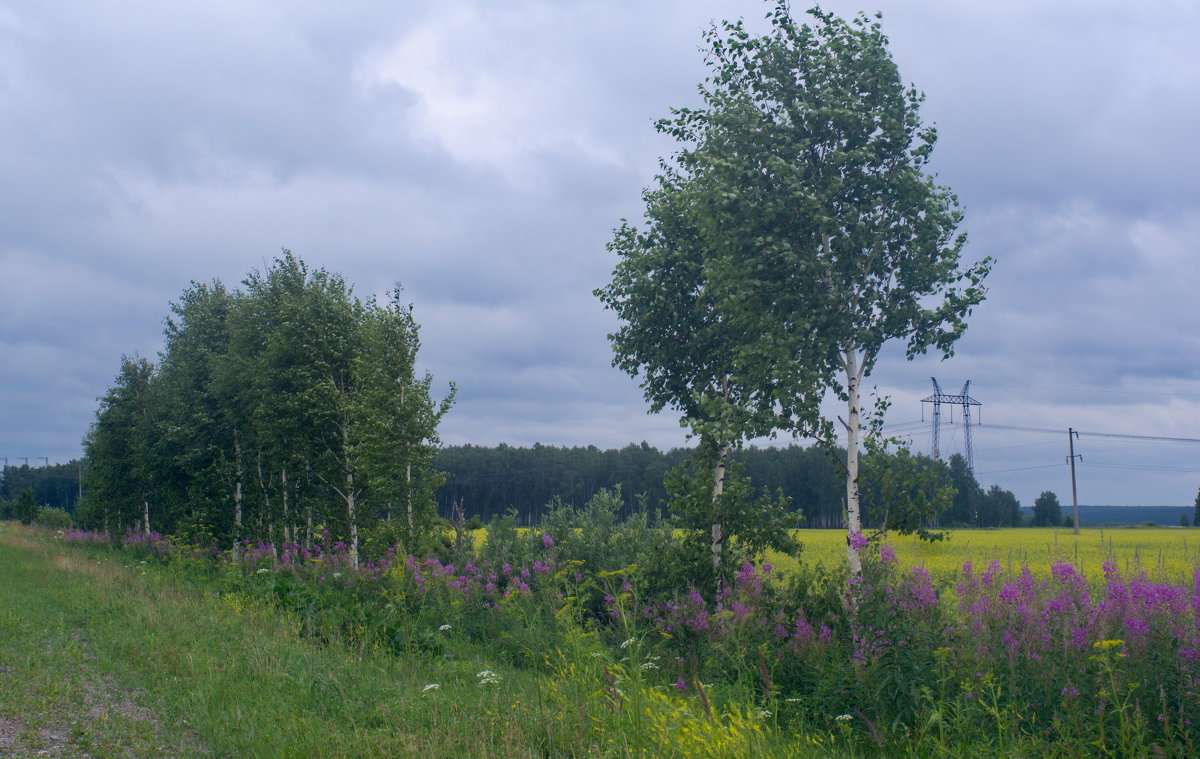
481,153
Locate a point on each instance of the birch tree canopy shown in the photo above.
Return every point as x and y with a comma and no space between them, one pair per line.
803,177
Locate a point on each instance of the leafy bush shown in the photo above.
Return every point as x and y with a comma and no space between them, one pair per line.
55,519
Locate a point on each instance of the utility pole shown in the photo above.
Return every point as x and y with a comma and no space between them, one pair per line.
1071,435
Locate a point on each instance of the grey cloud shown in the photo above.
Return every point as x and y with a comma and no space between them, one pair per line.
150,146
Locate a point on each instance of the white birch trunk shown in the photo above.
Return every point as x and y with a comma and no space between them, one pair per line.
853,412
718,491
408,495
237,501
287,532
351,502
146,516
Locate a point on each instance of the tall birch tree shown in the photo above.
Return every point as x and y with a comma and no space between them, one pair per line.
394,418
804,175
691,355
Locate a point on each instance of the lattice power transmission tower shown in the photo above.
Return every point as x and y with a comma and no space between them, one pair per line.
963,399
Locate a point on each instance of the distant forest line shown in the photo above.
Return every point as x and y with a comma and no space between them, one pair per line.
492,480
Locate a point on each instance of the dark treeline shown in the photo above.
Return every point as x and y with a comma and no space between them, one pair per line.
55,486
275,411
493,480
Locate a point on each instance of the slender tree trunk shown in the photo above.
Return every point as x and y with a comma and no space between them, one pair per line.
146,515
719,484
853,412
408,495
266,503
237,500
351,497
717,491
287,531
351,502
308,509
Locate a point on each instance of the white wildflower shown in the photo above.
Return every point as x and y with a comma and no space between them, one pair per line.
649,665
431,686
488,677
843,718
264,570
443,628
627,643
764,714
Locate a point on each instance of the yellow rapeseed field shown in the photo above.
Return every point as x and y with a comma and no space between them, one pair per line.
1165,554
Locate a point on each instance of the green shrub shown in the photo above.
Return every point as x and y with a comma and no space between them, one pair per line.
25,507
55,519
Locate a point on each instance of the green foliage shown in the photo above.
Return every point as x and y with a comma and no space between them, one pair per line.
52,518
1047,511
393,419
999,508
596,539
505,544
277,410
794,233
805,172
901,492
748,525
24,507
964,508
54,485
491,479
120,450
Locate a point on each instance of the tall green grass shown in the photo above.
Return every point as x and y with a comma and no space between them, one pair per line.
225,675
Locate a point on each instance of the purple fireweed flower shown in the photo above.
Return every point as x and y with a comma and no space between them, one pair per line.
547,541
681,686
993,571
857,540
887,555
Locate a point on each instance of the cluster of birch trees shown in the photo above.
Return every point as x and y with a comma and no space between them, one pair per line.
276,411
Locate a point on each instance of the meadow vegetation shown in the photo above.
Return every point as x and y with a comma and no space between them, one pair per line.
580,638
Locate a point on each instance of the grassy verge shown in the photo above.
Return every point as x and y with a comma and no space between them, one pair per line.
101,659
56,697
104,658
